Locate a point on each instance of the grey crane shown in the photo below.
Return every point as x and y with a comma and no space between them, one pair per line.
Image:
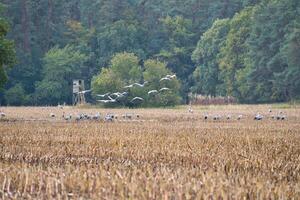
239,117
67,117
258,117
2,114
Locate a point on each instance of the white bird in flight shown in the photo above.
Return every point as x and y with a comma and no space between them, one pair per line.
119,94
164,89
168,77
136,84
171,76
152,92
136,99
140,85
103,95
129,86
107,101
84,91
110,98
165,79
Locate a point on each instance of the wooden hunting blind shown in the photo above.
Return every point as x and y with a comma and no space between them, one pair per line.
78,96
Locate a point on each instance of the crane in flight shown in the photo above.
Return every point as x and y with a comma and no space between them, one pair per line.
168,77
164,89
103,95
84,91
136,84
107,101
152,92
137,99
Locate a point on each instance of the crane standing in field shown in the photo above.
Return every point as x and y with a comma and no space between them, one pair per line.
2,114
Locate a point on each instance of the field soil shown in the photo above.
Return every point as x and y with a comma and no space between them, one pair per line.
162,154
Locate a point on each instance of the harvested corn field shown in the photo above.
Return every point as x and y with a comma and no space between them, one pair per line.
155,154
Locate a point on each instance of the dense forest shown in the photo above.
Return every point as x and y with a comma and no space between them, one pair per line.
247,49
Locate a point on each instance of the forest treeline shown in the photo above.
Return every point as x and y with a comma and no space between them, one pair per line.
248,49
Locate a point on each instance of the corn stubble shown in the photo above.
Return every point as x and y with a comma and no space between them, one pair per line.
168,155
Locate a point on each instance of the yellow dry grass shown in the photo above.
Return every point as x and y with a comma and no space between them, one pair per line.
169,154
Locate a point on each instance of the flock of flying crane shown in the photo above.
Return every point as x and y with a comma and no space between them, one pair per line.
117,96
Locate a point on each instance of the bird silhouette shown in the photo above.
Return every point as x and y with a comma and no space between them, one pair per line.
136,84
2,114
151,92
168,77
239,117
164,79
164,89
140,85
84,91
97,116
119,95
103,95
128,86
136,99
258,117
171,76
67,117
107,101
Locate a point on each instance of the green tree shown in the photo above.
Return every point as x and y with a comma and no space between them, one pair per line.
255,65
126,66
287,82
7,51
16,96
177,52
206,76
125,69
61,66
234,54
269,46
118,37
154,71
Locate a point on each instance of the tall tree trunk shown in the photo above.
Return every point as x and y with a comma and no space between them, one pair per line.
25,26
48,29
90,20
75,11
224,11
